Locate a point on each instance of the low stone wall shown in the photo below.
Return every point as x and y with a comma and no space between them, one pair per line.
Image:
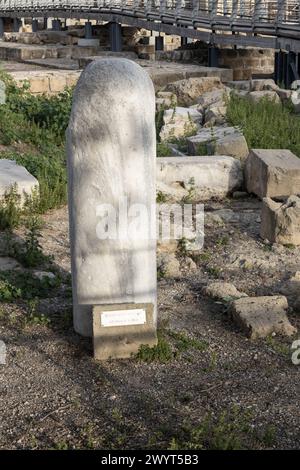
247,62
55,81
47,82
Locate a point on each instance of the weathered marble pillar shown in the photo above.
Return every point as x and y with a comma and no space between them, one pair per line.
111,165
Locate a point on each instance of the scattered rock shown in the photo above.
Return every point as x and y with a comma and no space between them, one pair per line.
240,85
280,222
215,114
179,122
263,85
223,291
250,262
259,317
8,264
41,275
169,265
296,305
257,96
169,100
190,265
272,173
219,141
295,98
209,98
188,91
284,94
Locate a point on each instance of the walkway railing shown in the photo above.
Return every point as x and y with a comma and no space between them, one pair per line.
275,18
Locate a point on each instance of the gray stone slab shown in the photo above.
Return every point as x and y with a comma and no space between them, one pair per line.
272,173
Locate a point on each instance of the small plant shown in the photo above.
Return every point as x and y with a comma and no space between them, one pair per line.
10,209
183,342
25,285
163,150
161,197
160,273
278,347
30,254
223,240
229,431
191,192
162,352
182,247
165,352
8,292
33,317
214,271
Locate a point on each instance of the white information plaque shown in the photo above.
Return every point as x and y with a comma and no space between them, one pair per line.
123,317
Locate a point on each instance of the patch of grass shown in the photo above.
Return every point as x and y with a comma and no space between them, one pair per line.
37,124
228,431
161,353
268,437
163,150
18,284
171,344
203,257
183,342
277,346
265,124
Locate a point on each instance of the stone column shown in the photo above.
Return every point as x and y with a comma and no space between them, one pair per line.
88,30
111,164
56,25
159,43
35,26
115,37
1,27
17,23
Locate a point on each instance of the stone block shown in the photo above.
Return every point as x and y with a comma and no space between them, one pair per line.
12,174
280,222
119,330
259,317
219,141
189,91
272,173
206,176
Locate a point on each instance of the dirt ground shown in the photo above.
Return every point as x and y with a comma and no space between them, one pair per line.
54,395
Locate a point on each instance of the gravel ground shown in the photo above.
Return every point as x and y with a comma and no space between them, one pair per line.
54,395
